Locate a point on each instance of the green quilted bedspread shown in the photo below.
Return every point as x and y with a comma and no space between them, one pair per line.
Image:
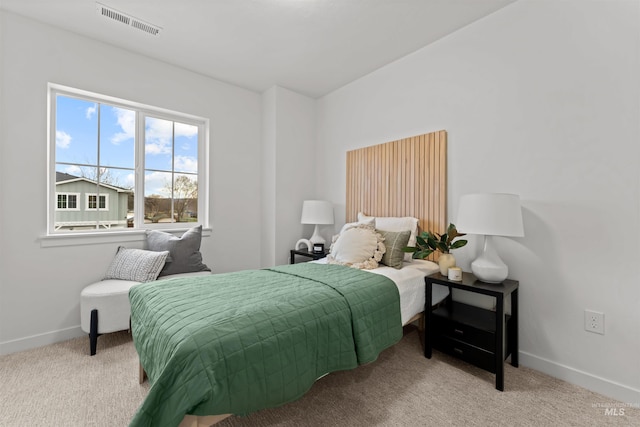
235,343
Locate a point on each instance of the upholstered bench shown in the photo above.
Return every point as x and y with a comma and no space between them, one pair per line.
104,305
105,308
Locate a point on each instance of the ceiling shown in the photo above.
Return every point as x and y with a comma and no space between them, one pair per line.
310,46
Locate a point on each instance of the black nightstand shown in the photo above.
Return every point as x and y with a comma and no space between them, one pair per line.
484,338
306,253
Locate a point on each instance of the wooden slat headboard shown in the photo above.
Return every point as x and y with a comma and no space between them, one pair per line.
407,177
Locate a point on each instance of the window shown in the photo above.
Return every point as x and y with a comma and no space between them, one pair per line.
130,165
67,201
92,202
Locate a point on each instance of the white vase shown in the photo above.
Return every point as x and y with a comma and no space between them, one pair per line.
445,262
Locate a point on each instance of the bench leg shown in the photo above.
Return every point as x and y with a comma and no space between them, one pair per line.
93,331
142,375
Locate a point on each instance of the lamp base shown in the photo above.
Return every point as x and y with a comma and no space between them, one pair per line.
488,267
316,237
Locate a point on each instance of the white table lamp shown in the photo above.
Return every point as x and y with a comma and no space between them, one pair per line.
317,212
490,214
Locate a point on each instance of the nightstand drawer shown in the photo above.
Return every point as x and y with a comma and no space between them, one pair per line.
466,323
465,333
471,354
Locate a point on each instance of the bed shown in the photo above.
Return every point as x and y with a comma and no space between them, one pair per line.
238,342
410,283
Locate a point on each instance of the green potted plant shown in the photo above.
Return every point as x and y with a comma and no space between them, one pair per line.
428,242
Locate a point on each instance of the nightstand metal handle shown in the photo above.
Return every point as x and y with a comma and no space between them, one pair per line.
459,331
457,350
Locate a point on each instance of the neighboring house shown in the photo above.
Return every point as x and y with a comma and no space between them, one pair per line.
83,204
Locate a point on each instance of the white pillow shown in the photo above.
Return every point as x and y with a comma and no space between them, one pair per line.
392,223
359,247
370,220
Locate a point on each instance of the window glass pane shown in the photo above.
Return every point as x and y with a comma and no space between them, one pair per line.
157,197
76,131
186,148
122,182
72,201
108,206
73,181
117,136
158,144
185,198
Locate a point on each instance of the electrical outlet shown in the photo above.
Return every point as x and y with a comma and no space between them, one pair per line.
594,322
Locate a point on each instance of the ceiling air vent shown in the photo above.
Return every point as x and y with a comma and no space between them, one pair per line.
111,13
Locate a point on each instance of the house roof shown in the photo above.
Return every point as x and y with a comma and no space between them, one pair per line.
65,178
62,177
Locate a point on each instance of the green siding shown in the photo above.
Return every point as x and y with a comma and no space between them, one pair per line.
116,204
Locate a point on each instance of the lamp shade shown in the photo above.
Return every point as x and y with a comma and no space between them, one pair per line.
493,214
317,212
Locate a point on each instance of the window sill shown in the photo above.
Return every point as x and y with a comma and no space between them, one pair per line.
76,239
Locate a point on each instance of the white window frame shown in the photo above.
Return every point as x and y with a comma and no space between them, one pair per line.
106,202
142,111
66,193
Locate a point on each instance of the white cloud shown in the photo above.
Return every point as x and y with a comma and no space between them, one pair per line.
63,139
185,130
90,111
186,164
73,170
127,122
129,180
159,135
157,183
157,148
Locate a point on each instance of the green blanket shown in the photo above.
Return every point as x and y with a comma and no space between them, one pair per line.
238,342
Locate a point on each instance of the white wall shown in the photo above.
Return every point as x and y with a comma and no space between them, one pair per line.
288,170
39,297
541,99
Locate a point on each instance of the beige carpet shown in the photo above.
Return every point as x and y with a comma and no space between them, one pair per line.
61,385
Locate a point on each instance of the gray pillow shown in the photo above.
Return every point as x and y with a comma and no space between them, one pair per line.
136,265
394,241
184,252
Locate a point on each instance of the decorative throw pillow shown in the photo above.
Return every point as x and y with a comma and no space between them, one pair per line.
184,252
392,223
367,221
358,247
136,265
394,241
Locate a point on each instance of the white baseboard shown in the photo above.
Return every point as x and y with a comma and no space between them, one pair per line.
39,340
608,388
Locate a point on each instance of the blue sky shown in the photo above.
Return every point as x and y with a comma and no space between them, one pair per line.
77,142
